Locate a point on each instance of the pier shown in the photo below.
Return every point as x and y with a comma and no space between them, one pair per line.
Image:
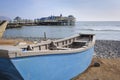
19,25
56,20
51,20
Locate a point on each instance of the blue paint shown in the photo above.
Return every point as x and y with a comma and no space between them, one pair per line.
8,70
53,67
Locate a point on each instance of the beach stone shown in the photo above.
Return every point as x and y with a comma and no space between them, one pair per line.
96,64
107,49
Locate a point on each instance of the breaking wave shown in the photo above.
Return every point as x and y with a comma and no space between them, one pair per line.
98,28
101,29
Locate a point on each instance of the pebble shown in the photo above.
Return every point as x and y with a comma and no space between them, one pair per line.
107,49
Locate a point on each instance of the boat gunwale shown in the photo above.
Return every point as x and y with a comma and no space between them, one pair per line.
54,52
17,54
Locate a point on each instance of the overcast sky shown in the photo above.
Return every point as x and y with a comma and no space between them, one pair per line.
83,10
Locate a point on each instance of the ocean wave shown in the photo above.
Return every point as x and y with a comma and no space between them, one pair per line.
101,29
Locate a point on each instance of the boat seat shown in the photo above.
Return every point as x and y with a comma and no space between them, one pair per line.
61,48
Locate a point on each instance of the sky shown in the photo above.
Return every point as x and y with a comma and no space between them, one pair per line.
83,10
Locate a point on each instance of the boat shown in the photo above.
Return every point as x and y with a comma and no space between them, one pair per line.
3,26
60,59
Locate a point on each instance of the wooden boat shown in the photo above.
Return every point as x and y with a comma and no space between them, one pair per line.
49,60
3,26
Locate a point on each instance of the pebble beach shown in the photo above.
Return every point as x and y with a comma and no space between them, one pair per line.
107,49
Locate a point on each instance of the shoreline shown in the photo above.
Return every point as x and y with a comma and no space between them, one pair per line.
42,38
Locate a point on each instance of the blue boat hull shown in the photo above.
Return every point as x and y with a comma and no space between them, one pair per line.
53,67
8,70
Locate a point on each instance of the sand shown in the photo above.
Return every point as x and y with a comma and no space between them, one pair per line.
13,41
109,70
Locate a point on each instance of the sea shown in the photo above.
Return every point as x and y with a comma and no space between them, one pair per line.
104,30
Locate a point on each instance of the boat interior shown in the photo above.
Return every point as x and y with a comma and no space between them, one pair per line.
62,44
77,43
